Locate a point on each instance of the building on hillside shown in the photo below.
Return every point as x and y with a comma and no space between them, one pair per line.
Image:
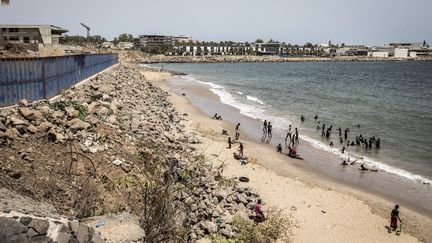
125,45
153,43
108,45
45,35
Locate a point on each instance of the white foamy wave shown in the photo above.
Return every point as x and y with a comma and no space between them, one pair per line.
239,92
255,99
367,161
282,125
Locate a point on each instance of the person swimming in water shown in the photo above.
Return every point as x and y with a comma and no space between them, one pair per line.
343,150
302,118
316,116
344,163
363,168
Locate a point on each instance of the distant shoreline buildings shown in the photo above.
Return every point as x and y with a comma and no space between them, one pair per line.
186,46
50,36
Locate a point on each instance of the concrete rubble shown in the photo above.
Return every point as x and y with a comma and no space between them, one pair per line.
133,110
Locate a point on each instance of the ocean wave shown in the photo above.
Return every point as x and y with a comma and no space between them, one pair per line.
239,92
281,124
367,161
255,99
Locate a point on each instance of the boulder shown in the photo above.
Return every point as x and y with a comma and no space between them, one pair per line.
241,198
209,227
2,127
77,125
55,136
10,228
32,129
15,121
220,194
83,233
25,220
58,114
30,114
23,103
71,112
45,126
39,225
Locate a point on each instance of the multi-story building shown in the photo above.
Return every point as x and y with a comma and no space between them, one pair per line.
45,35
153,43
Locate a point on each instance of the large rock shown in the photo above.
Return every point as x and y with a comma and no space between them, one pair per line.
15,121
208,226
30,114
241,198
62,234
10,228
45,126
78,125
2,127
220,194
71,112
39,225
32,129
83,233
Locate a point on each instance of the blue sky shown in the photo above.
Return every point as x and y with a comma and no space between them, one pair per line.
317,21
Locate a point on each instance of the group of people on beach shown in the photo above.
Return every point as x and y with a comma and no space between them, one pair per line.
359,140
291,140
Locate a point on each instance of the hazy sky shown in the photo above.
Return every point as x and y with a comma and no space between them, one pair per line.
316,21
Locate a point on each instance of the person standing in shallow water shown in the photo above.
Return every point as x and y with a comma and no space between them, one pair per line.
269,129
237,132
265,127
296,136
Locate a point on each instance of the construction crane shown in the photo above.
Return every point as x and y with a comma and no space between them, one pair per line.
88,29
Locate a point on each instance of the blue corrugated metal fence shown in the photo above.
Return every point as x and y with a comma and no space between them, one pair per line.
42,78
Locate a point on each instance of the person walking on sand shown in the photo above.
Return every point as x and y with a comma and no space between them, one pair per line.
269,129
394,216
240,149
229,142
265,127
296,136
237,133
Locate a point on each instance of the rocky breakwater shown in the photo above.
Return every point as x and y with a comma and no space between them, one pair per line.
254,58
115,144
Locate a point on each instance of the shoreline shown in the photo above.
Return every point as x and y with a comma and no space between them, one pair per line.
153,59
379,205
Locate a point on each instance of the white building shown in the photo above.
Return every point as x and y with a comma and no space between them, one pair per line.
125,45
401,53
45,35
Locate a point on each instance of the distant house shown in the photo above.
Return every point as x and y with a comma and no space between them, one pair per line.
45,35
108,44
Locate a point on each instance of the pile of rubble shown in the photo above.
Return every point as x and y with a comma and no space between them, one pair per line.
78,152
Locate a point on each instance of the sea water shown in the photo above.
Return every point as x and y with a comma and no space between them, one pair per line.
387,100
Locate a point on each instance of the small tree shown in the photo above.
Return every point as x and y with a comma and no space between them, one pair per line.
259,41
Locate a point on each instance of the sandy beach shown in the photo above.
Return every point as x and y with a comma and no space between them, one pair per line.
323,209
